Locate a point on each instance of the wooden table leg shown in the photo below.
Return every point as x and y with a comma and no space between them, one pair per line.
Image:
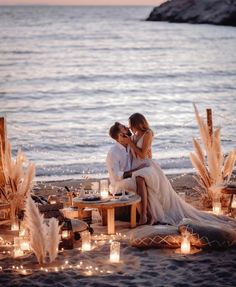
111,221
103,213
133,215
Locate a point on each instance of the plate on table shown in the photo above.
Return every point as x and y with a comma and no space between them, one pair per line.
91,199
128,194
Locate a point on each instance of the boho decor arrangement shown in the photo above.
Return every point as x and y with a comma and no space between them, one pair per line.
213,169
44,236
18,180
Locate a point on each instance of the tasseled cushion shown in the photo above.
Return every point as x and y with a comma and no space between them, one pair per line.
206,235
156,236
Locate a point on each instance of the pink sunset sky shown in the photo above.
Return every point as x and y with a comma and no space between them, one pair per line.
82,2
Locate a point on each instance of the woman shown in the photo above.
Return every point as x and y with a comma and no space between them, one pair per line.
163,203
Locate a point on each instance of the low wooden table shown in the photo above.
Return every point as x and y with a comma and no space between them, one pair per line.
110,206
231,190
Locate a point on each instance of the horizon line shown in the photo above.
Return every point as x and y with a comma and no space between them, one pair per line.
73,5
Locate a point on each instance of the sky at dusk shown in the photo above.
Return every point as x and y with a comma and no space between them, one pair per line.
82,2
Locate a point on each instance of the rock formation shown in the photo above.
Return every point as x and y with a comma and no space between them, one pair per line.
217,12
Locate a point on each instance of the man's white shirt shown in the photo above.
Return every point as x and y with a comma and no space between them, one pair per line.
118,161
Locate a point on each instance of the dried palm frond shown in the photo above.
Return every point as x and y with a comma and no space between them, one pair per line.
37,228
204,132
27,181
229,164
213,167
211,171
18,180
217,146
53,238
201,170
198,150
3,194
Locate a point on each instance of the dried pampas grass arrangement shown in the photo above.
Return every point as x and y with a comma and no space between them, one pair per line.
18,180
212,169
53,238
37,228
43,238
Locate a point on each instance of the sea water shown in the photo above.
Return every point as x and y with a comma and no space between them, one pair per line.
68,73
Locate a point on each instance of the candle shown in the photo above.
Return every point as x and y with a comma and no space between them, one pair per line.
115,252
104,193
52,199
185,243
14,227
53,202
86,241
18,252
65,234
104,188
24,245
233,205
22,232
216,207
25,271
185,246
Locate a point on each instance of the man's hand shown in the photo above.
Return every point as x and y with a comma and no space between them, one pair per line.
126,140
128,174
143,165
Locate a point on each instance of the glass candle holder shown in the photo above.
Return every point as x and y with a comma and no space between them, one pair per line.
216,207
15,226
104,188
22,232
18,252
233,205
95,187
115,252
185,247
86,241
65,234
24,245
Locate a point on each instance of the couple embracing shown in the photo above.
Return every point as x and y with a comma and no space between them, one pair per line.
131,167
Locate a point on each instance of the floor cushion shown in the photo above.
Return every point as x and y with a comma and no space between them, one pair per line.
207,235
156,236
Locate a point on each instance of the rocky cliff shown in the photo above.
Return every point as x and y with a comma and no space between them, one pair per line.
217,12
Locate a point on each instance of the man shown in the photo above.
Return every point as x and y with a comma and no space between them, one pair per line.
119,166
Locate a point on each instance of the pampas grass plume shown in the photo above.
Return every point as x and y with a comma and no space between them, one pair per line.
38,229
53,238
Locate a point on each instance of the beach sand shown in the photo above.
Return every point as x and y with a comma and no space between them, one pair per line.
153,267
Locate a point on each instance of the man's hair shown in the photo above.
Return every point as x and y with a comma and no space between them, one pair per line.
114,130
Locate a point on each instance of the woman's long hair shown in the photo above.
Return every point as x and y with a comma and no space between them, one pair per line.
139,122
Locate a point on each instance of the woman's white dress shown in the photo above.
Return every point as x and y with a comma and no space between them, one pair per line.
164,204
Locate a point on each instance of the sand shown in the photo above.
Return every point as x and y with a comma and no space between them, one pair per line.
153,267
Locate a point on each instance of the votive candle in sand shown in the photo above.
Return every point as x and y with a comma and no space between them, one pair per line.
65,234
25,245
25,271
233,205
18,252
115,252
185,244
14,227
86,241
216,208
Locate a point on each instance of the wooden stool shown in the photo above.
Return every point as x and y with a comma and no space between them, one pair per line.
231,190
